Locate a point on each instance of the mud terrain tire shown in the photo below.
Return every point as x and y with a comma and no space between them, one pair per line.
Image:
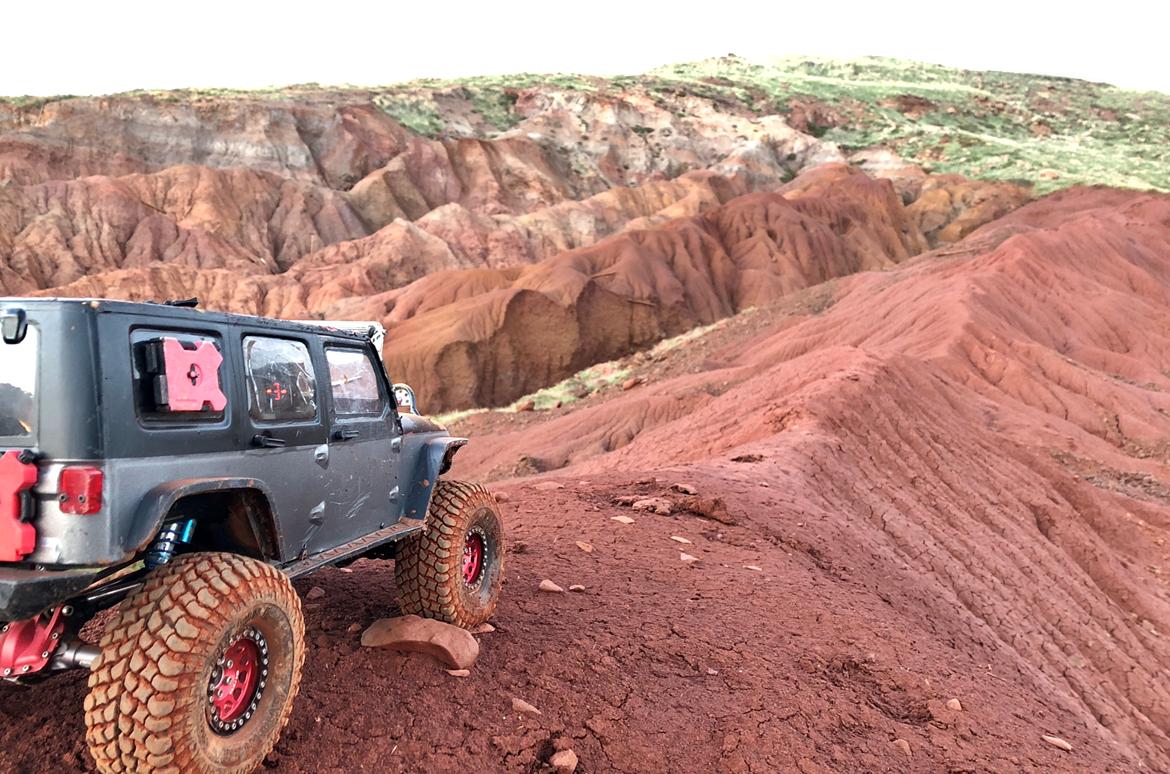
150,704
436,570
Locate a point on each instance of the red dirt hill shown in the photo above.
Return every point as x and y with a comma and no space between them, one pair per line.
978,438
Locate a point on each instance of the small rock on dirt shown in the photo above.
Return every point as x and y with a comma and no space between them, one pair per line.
528,405
519,705
576,587
659,505
563,762
586,547
315,593
550,587
688,558
687,489
548,486
627,500
680,539
1057,742
459,672
632,382
451,645
753,567
501,497
353,628
903,745
954,704
483,628
748,458
622,519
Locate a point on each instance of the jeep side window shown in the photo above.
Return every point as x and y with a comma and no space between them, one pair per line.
151,377
354,382
281,385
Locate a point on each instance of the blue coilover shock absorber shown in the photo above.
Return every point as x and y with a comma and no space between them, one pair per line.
162,550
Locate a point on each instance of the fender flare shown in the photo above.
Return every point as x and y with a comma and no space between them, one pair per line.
157,503
434,459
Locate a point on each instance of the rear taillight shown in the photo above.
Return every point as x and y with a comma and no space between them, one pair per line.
80,490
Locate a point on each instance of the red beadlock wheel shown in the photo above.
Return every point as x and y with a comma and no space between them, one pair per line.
473,551
237,682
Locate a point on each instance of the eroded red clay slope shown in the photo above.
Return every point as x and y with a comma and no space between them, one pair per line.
979,437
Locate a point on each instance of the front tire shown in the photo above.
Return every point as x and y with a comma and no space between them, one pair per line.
453,570
198,670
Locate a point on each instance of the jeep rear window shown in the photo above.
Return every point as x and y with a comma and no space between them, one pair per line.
18,387
354,382
281,385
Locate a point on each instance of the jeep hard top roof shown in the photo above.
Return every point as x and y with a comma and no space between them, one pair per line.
187,314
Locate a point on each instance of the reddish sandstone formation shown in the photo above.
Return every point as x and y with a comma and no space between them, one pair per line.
498,338
461,337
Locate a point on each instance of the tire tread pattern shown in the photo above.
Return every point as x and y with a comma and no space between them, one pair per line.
428,565
150,658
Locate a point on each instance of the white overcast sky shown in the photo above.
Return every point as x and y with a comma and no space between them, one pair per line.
100,47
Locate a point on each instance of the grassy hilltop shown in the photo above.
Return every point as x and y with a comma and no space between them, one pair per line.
1051,131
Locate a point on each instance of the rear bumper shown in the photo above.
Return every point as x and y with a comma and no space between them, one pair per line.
24,593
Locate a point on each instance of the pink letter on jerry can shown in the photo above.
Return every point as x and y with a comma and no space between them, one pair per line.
193,376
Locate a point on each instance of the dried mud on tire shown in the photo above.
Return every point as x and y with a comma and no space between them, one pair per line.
147,706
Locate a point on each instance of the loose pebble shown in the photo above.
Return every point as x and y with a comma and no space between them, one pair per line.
1057,742
519,705
954,704
586,547
550,587
622,519
563,762
680,539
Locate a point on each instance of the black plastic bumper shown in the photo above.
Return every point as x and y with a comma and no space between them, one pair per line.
24,593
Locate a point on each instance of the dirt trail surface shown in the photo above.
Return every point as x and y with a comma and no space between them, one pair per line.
952,477
814,662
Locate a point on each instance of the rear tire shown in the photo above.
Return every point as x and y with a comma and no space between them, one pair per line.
165,693
454,569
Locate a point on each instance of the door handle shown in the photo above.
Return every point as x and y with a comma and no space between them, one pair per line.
268,442
345,435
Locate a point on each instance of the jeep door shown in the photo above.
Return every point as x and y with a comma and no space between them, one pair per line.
364,440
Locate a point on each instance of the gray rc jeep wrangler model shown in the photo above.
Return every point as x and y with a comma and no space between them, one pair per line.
188,466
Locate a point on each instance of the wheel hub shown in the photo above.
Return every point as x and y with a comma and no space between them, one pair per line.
474,554
237,682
